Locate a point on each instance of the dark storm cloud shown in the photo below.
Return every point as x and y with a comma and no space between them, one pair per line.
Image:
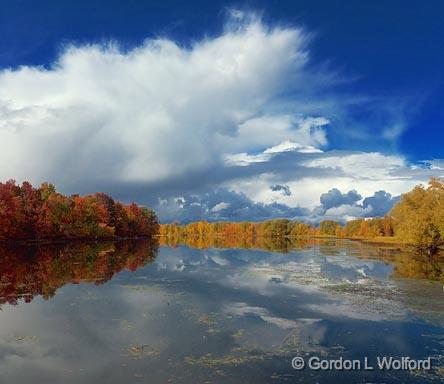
335,198
284,189
223,205
381,203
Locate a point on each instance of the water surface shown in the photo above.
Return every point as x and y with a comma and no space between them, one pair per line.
132,313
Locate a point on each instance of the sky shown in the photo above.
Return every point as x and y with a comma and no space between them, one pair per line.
225,111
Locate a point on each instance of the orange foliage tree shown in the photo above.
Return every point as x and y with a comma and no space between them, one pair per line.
28,213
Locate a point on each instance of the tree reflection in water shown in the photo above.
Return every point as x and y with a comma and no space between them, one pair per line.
27,272
405,264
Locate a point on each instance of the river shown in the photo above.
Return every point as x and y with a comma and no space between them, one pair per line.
136,312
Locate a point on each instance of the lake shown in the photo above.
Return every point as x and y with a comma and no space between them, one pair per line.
136,312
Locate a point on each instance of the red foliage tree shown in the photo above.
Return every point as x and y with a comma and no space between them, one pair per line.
29,213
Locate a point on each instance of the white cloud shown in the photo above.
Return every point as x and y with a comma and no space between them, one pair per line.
244,159
309,175
348,212
272,130
288,145
306,137
241,112
372,165
436,164
150,114
220,206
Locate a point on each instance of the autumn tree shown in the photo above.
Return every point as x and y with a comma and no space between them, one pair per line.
28,213
328,227
419,217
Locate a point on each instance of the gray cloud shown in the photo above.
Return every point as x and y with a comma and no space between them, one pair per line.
284,189
223,205
381,202
377,205
335,198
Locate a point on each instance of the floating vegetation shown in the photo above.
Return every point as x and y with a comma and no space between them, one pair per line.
294,342
366,287
368,296
155,289
307,274
142,351
365,296
282,376
423,299
24,338
238,334
125,324
142,288
205,319
212,331
237,356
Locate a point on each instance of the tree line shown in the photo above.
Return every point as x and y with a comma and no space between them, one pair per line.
28,213
417,220
360,228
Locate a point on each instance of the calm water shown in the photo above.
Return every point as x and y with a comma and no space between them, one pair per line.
132,313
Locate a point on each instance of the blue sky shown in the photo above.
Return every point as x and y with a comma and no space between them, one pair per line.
364,88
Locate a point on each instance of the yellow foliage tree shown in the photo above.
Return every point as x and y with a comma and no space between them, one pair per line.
418,218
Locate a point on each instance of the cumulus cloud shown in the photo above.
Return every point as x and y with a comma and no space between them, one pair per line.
154,112
200,131
335,198
222,204
306,138
342,207
308,175
346,212
381,202
371,165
